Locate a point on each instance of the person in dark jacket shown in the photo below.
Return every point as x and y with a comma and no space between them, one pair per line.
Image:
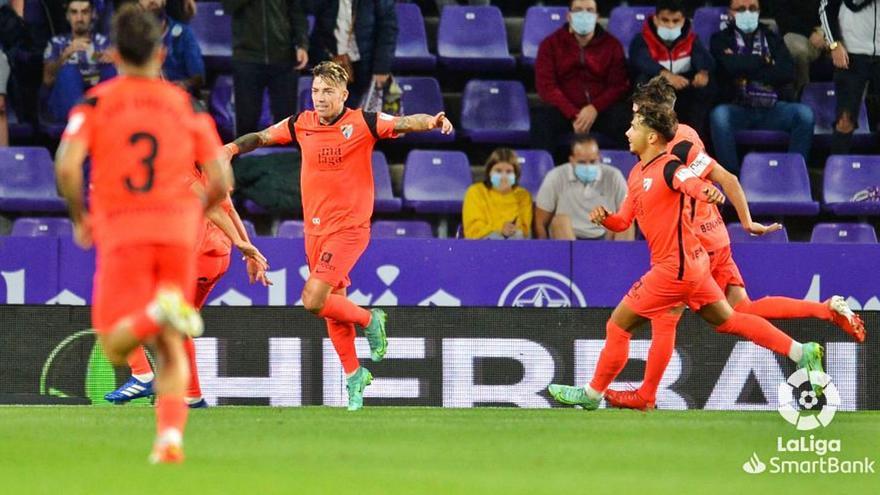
581,77
360,35
756,73
669,47
269,45
799,25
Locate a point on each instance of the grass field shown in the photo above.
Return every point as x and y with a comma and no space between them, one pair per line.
260,450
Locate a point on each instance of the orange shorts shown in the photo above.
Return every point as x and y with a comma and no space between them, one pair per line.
656,293
331,257
127,277
724,269
209,271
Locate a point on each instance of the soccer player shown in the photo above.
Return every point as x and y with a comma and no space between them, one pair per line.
337,194
143,135
658,188
709,228
222,229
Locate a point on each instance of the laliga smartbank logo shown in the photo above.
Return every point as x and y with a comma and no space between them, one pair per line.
808,409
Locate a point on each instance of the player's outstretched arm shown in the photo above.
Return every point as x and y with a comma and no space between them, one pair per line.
737,196
421,122
276,134
69,175
219,183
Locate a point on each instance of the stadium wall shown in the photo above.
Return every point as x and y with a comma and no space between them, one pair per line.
450,357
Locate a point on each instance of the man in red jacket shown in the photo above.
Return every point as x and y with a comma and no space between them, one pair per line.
581,76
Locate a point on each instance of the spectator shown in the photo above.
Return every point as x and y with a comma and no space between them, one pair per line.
183,58
76,61
498,208
581,76
757,74
853,34
798,22
362,41
269,46
669,47
570,192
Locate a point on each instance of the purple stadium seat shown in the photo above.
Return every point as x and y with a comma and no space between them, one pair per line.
17,129
820,97
534,165
291,229
390,229
435,181
473,39
708,21
222,108
622,159
625,23
738,234
777,184
249,228
422,95
213,30
411,53
862,233
304,93
758,137
42,227
384,201
495,112
852,184
538,24
27,181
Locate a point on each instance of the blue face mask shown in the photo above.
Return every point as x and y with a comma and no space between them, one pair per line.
747,21
669,34
495,179
586,172
584,23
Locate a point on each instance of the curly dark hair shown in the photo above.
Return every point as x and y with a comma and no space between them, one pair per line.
659,118
656,91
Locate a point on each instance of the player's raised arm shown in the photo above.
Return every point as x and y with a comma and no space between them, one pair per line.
280,133
737,196
422,122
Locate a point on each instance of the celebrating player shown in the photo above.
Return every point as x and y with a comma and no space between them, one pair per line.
658,188
143,135
337,194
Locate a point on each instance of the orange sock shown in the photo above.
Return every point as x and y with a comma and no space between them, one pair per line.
143,326
659,354
138,361
784,308
194,390
342,335
341,309
613,357
758,330
171,412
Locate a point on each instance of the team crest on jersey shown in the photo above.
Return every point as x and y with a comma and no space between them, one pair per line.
646,183
347,130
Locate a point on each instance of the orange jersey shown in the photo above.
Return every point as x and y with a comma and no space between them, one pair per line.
706,219
337,171
655,200
143,136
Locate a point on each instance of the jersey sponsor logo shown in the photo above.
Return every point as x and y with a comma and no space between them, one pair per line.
685,173
330,158
385,116
347,130
698,166
646,183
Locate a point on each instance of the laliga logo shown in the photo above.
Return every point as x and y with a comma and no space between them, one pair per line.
541,289
808,400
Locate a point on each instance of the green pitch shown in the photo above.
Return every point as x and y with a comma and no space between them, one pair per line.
260,450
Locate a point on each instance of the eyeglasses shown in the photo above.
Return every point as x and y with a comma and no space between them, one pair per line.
750,8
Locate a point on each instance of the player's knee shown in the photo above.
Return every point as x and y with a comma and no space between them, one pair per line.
312,301
115,357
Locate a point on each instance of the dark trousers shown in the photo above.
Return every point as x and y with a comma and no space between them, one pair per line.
550,127
849,86
251,80
692,106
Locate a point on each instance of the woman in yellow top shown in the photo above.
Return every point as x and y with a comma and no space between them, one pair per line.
498,208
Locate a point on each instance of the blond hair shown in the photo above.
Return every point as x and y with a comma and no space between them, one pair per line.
332,73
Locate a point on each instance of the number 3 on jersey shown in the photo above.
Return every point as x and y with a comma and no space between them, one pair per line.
147,162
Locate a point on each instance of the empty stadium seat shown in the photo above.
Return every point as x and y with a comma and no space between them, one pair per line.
777,184
844,232
384,197
222,108
389,229
624,160
738,234
411,53
625,23
422,95
708,21
27,181
495,112
534,165
213,30
473,39
249,228
851,184
17,128
291,229
538,24
435,181
42,227
304,93
820,97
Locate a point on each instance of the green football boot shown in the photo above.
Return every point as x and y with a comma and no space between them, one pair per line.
375,333
812,361
573,396
355,386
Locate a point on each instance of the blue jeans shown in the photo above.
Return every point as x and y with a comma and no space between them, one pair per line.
794,118
69,89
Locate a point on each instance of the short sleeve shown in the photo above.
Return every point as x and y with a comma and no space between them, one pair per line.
694,157
80,122
282,132
381,124
547,194
677,173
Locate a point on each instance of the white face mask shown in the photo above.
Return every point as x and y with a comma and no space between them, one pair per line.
583,22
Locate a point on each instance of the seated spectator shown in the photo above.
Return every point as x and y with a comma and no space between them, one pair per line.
756,73
498,208
183,58
798,22
76,61
669,47
581,77
571,191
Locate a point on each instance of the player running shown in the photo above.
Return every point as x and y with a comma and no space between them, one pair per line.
709,228
658,188
337,194
143,135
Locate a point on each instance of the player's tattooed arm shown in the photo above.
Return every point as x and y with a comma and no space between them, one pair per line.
421,122
250,142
